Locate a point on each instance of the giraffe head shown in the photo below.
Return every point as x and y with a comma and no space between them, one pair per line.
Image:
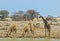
41,17
30,23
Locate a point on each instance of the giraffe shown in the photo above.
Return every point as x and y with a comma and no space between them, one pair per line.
28,29
46,26
32,28
12,29
25,30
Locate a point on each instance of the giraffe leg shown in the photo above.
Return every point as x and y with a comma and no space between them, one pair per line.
33,34
49,33
23,33
45,31
28,33
9,33
14,33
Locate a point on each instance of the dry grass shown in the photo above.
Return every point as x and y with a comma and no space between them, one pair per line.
39,32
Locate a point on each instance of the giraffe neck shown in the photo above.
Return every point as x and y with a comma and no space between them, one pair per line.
30,26
44,20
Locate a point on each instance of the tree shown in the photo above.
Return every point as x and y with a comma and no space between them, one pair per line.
18,15
32,14
51,18
21,15
4,13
